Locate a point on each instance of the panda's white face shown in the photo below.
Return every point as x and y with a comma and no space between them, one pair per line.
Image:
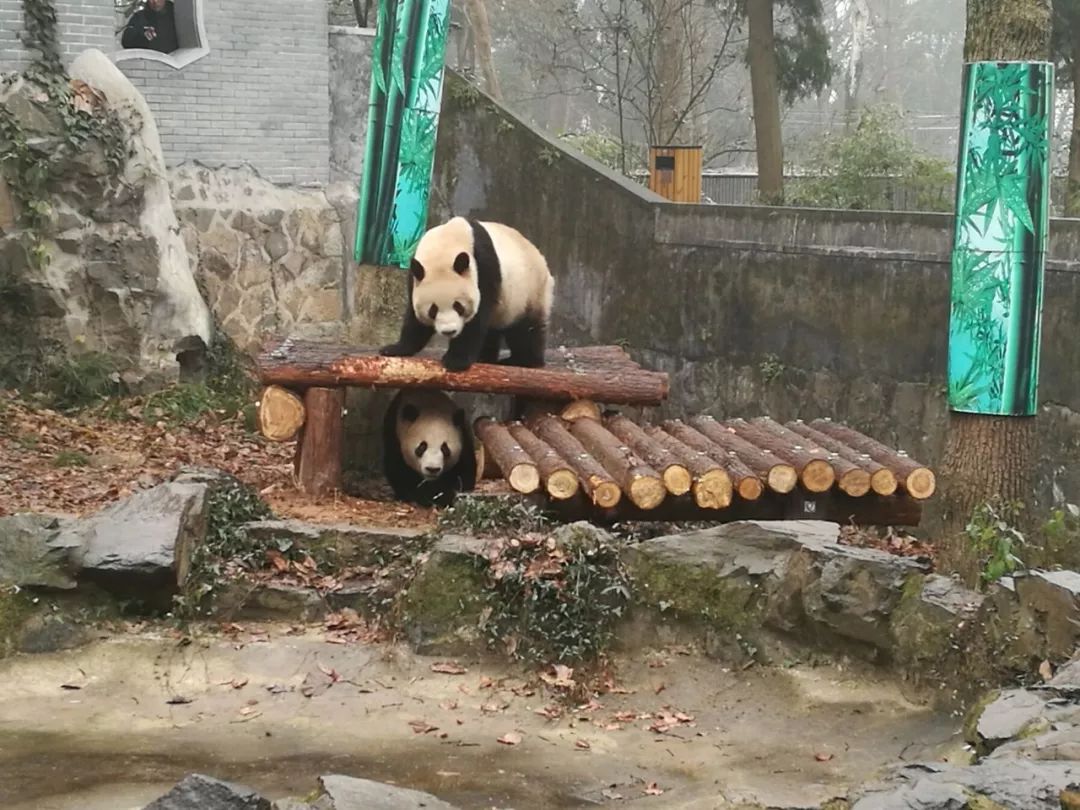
445,291
430,435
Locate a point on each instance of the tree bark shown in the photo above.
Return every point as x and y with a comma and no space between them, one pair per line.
318,457
559,479
711,487
1072,183
482,30
597,482
601,373
676,477
765,89
989,458
281,414
638,480
517,467
744,480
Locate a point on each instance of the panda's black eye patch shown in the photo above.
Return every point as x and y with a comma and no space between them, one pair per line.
433,312
459,308
445,450
421,449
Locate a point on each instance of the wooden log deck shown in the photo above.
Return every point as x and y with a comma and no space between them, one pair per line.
587,464
700,470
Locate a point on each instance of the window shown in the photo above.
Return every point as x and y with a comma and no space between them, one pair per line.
167,31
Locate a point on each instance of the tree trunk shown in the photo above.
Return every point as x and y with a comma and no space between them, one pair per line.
1072,184
989,458
517,467
319,451
482,30
766,92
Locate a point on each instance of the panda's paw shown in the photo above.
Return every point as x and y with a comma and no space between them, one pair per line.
393,350
453,362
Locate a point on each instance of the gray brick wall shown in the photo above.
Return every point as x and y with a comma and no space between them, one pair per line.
259,98
83,24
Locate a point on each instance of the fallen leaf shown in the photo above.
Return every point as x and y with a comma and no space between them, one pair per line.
608,793
422,727
582,744
69,686
820,757
178,700
560,676
550,712
510,738
653,789
448,705
238,683
448,668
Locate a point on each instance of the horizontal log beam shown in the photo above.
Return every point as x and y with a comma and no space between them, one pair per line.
604,374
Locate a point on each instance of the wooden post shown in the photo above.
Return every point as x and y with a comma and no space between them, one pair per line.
319,451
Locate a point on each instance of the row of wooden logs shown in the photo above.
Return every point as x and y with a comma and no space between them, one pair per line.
610,456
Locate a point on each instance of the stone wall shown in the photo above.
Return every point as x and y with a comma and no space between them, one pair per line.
753,310
350,72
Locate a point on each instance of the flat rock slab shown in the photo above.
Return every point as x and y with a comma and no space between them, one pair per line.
142,545
349,793
1008,716
34,553
198,792
346,544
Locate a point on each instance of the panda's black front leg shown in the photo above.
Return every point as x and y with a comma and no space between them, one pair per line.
465,349
414,337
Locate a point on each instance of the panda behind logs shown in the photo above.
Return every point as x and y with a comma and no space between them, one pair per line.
477,283
428,454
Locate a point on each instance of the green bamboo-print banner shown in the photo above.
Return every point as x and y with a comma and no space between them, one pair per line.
403,119
1002,197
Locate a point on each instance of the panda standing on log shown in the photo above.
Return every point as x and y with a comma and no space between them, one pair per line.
477,283
428,454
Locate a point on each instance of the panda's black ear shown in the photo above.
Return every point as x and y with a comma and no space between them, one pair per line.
459,417
461,263
417,270
409,412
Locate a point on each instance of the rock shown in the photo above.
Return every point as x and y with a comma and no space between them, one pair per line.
443,604
930,612
34,554
142,330
198,792
270,601
9,208
1007,716
277,245
991,785
341,544
1070,798
45,633
349,793
141,546
1052,600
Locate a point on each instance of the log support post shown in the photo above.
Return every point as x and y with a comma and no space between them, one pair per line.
319,451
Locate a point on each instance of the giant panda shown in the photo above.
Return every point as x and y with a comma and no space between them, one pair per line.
477,283
428,454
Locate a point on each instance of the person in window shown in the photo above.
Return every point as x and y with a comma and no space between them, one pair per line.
152,27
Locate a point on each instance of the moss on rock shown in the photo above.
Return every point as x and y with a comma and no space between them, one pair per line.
15,610
695,592
442,607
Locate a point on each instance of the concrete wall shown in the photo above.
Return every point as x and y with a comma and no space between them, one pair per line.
753,310
350,83
260,97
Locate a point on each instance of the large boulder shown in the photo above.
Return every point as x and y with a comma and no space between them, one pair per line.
34,554
141,546
118,280
349,793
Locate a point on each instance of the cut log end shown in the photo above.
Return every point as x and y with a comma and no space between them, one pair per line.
883,482
713,490
818,476
281,414
581,409
921,483
524,478
677,479
782,478
647,492
750,489
562,485
855,483
605,494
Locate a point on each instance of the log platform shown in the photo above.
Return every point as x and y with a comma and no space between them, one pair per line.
304,392
624,471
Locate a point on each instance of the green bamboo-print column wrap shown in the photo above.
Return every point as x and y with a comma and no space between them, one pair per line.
403,118
999,252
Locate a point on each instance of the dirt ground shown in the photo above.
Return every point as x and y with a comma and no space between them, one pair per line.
115,724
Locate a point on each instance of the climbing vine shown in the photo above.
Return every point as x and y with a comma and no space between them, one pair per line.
31,161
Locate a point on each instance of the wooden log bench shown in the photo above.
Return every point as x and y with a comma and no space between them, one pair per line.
305,383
